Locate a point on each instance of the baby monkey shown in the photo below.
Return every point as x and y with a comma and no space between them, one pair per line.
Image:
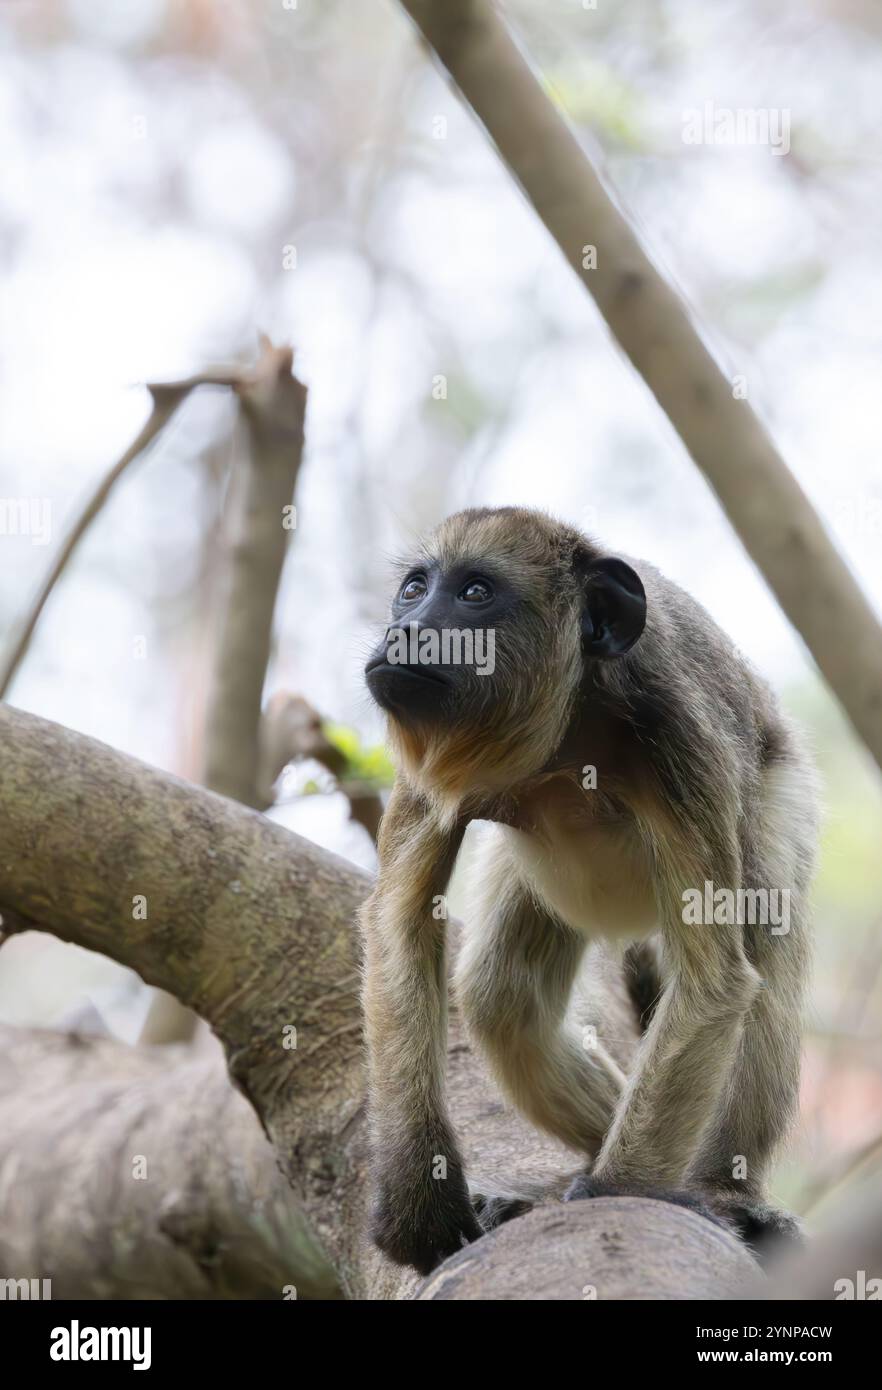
640,780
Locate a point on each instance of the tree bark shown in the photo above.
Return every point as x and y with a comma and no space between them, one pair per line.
253,927
611,1248
273,408
765,504
131,1173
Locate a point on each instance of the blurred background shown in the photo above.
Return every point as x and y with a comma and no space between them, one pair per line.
178,176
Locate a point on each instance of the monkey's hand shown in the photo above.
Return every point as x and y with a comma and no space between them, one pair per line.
418,1218
496,1211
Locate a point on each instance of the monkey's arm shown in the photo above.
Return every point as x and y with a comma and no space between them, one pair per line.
422,1210
692,1041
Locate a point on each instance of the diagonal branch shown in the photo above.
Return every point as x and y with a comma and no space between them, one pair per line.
165,400
765,504
247,924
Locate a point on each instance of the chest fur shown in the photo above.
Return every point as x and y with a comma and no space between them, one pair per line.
593,871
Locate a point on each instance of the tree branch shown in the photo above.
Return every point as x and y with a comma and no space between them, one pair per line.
274,406
610,1248
249,925
253,927
765,504
114,1192
165,400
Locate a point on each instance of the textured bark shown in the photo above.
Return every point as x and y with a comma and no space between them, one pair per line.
253,927
273,408
128,1173
213,1217
766,505
610,1248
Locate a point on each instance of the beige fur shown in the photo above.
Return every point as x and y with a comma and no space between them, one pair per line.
699,778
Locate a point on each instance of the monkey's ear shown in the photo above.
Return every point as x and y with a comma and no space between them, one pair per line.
614,615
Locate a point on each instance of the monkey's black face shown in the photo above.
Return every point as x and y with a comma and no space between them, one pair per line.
487,643
439,649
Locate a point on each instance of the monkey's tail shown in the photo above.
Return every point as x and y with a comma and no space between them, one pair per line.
643,980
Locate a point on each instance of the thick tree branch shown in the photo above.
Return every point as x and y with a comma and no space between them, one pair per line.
253,927
610,1248
128,1173
245,923
112,1192
769,510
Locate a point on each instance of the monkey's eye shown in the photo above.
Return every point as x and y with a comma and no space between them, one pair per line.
413,588
476,591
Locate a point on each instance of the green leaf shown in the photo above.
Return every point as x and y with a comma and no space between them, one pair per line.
369,765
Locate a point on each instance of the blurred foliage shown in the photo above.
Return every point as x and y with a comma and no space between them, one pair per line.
368,765
849,881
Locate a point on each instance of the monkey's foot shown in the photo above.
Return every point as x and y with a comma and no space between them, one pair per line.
495,1211
585,1186
763,1227
421,1227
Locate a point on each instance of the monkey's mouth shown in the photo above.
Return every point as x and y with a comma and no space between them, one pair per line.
427,673
405,688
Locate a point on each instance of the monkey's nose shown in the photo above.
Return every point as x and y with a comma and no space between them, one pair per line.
410,631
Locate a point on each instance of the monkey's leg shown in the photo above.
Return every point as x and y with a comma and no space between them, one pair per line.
514,980
691,1044
761,1095
760,1099
422,1209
